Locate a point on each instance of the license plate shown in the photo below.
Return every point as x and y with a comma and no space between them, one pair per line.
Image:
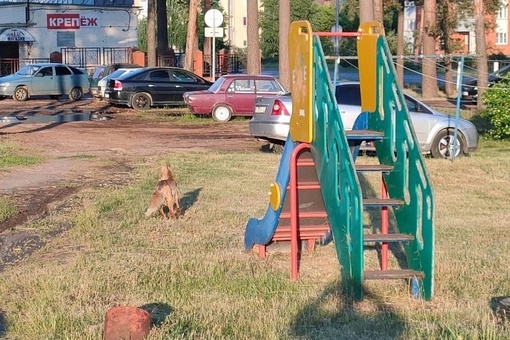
260,109
106,95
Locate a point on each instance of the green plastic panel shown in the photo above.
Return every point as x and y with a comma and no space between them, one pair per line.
409,181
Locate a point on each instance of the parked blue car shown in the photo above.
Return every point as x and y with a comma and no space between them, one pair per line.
45,79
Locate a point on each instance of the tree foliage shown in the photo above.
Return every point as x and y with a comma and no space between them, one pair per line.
177,13
496,99
322,17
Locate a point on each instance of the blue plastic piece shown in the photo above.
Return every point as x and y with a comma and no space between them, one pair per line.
260,231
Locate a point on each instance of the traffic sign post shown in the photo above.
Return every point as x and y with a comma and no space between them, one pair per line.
213,19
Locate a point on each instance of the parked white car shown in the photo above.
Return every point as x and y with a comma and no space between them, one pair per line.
103,83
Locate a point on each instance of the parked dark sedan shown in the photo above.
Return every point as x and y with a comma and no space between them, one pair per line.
153,86
232,95
470,87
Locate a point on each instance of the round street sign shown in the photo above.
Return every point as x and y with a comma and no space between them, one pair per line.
213,18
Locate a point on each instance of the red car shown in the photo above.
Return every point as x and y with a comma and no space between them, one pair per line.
232,95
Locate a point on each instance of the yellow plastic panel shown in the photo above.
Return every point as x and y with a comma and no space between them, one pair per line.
301,68
367,59
275,196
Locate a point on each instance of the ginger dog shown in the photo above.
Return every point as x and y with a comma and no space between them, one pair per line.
166,193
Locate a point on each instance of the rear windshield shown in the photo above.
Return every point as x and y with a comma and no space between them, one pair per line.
217,84
76,70
116,74
98,73
348,95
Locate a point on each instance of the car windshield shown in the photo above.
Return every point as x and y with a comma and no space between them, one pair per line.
502,71
28,70
217,84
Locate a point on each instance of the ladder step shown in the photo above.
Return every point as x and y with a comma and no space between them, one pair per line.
387,237
306,214
305,162
391,274
380,202
311,185
309,228
373,167
364,135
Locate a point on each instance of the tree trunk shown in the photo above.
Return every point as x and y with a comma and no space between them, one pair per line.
284,26
253,44
400,47
151,33
378,11
429,81
162,30
418,42
192,35
207,41
480,51
366,10
449,82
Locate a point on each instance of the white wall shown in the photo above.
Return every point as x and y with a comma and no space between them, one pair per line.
95,27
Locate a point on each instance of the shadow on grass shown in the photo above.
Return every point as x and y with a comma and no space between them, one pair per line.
158,311
332,315
189,199
3,324
500,307
396,248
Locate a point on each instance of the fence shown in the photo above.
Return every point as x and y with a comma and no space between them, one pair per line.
12,65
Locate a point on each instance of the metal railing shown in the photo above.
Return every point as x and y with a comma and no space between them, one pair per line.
12,65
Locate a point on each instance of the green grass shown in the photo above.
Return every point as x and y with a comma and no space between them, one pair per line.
201,283
11,156
7,208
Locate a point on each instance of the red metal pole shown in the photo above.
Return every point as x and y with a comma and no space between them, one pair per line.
384,227
338,34
294,211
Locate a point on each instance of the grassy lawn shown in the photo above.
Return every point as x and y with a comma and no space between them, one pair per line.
11,157
200,283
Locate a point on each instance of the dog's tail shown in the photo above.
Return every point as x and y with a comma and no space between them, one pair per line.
154,204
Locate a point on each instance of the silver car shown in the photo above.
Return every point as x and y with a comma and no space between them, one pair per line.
50,79
433,129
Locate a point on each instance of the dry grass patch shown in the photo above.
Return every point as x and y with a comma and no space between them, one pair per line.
199,282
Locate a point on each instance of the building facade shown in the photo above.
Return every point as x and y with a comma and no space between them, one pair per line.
88,33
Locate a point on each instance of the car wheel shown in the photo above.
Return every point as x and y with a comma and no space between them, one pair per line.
20,94
141,101
76,93
442,146
54,97
222,113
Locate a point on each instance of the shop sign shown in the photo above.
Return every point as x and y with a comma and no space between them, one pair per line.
16,35
70,21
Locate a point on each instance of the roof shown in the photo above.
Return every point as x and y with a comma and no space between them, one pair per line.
256,76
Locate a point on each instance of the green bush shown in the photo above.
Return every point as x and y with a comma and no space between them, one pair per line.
497,100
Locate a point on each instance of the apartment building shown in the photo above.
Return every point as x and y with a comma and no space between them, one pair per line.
235,22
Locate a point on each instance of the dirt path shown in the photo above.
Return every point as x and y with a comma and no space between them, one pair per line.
113,142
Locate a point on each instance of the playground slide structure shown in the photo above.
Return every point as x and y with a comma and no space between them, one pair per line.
406,192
